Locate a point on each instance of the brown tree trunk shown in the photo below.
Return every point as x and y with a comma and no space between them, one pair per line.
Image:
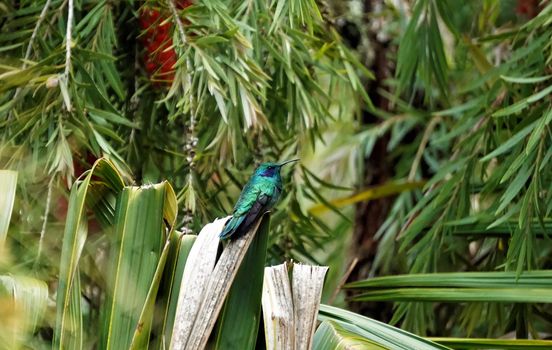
377,170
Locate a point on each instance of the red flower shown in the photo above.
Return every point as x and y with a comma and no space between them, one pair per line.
529,8
160,56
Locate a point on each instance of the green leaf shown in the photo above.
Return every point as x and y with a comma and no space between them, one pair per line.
511,142
113,78
8,185
523,103
10,47
333,336
515,187
142,331
138,251
521,80
239,321
111,117
209,40
68,329
505,344
528,279
453,295
278,15
23,302
538,132
380,333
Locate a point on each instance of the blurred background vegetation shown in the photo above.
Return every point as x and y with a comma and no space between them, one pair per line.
423,129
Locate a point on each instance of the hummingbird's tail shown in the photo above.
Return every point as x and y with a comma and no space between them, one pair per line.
239,224
231,226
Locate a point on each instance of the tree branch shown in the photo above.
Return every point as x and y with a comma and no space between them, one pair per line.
191,141
68,39
35,31
178,22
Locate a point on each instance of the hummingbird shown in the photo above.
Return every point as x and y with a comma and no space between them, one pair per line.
258,196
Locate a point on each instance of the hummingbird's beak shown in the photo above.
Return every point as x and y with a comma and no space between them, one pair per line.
288,161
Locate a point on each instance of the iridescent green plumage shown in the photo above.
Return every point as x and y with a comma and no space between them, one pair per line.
259,195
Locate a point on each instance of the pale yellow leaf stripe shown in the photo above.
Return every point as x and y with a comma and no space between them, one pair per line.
387,189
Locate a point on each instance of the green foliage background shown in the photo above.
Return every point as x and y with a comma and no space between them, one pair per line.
468,114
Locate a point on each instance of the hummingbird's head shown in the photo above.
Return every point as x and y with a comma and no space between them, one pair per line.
271,169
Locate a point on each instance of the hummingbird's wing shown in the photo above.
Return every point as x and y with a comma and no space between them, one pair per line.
259,208
250,206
